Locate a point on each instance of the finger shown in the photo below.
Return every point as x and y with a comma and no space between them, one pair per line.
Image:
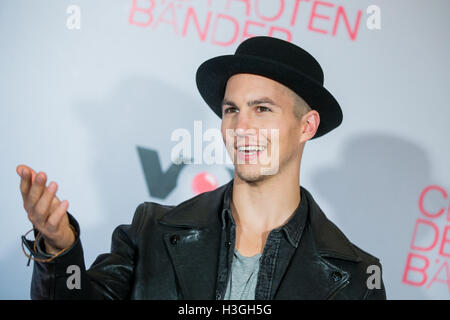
55,219
25,183
22,167
25,172
41,209
55,203
33,176
36,190
19,169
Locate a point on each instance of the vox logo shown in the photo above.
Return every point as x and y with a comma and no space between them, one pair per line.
160,183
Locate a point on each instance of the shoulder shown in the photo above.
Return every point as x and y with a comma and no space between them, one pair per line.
330,239
196,211
364,269
333,245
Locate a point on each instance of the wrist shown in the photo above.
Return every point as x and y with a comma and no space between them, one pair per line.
69,239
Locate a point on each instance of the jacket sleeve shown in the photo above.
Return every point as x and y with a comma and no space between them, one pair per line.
109,277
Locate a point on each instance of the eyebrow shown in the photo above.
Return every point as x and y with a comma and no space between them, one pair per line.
263,100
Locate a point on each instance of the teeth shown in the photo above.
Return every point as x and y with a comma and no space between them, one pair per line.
251,148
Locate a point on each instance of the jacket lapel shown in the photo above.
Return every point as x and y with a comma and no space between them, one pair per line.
193,243
311,273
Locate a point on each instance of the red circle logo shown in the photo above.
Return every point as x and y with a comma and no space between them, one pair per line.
204,182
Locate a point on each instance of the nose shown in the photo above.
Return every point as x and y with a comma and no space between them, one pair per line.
243,123
246,129
240,128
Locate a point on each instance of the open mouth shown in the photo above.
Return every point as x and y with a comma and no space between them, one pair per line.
249,152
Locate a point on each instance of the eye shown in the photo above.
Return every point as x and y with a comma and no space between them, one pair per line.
230,110
262,109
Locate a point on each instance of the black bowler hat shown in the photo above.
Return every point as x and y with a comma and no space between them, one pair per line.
278,60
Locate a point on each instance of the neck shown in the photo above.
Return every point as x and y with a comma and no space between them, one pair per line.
266,204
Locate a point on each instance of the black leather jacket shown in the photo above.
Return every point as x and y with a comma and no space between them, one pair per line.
171,252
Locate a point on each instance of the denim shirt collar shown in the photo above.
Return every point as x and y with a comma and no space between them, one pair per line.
292,228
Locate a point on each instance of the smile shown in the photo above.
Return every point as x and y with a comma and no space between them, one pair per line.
251,149
248,153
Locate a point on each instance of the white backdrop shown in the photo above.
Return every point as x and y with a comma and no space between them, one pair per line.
94,107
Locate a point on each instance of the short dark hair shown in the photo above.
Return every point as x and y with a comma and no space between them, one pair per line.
300,106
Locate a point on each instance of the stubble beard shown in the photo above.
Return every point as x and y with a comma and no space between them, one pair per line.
250,176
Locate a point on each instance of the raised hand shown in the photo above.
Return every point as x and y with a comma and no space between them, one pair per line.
45,211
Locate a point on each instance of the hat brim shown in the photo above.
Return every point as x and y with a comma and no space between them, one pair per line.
213,74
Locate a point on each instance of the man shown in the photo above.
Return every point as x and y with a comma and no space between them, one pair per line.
260,236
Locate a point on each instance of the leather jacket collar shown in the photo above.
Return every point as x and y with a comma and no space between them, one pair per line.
203,211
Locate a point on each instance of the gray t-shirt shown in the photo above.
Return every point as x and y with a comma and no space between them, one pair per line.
244,275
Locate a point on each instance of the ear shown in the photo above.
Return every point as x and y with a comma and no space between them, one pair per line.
310,124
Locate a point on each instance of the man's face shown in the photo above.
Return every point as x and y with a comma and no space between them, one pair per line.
260,131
